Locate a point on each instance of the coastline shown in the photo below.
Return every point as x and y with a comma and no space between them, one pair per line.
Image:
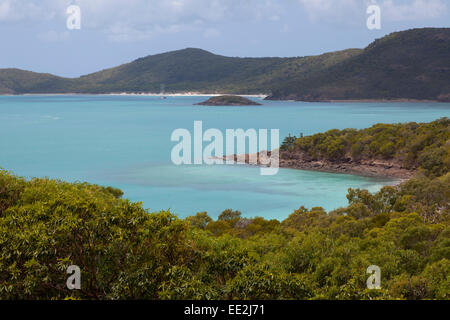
402,100
386,101
145,94
202,94
366,168
359,169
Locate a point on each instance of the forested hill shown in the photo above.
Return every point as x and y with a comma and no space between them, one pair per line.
178,71
16,81
383,148
413,64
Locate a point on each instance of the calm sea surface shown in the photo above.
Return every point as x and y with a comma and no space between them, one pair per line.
124,141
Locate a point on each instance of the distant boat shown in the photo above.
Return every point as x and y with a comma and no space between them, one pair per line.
161,92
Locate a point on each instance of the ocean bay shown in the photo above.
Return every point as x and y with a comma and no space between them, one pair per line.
124,141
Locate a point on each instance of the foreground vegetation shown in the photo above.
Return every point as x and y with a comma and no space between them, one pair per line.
126,252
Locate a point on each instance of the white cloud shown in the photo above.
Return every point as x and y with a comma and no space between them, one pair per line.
413,10
17,10
5,8
331,10
391,10
135,20
128,20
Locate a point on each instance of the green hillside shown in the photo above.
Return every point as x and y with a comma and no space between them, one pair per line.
413,64
198,70
182,70
15,81
179,71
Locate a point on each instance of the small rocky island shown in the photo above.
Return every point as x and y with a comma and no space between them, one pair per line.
228,101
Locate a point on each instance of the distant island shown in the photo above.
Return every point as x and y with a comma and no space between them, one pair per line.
408,66
228,100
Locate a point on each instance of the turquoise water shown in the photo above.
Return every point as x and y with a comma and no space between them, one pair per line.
124,141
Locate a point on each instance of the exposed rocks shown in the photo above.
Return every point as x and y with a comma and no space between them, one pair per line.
372,167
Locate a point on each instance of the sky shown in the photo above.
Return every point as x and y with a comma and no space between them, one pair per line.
34,34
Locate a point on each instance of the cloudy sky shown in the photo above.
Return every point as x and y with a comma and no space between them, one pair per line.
34,35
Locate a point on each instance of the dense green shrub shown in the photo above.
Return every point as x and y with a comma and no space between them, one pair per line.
125,252
424,145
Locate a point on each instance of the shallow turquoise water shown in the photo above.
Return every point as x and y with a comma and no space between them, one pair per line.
124,141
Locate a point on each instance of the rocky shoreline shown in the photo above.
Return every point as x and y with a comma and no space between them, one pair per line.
368,168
